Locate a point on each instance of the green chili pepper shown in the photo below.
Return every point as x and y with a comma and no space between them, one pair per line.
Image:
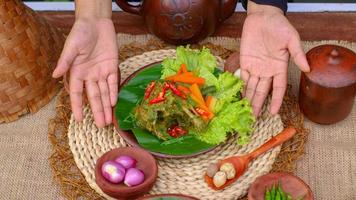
278,196
268,195
273,192
281,192
289,197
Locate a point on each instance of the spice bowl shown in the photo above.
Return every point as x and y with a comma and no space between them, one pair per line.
145,162
290,184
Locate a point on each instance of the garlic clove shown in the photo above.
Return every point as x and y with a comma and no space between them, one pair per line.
229,169
219,179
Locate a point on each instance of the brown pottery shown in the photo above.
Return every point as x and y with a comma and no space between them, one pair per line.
145,162
290,184
182,21
327,92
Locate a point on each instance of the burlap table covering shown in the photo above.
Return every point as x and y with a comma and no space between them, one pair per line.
328,166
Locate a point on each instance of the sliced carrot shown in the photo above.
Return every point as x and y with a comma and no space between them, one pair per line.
180,70
197,100
196,92
173,77
208,100
183,89
187,78
183,68
187,74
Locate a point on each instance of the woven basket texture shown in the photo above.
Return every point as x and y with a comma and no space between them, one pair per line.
29,49
88,143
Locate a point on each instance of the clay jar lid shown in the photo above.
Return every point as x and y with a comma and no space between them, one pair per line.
332,66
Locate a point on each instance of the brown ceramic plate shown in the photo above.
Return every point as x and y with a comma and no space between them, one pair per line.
130,138
290,184
145,162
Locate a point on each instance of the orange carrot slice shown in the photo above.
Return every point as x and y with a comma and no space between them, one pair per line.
187,78
183,89
197,93
183,68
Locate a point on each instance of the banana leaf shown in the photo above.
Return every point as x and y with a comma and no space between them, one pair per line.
129,96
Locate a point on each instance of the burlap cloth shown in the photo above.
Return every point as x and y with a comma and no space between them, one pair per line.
328,166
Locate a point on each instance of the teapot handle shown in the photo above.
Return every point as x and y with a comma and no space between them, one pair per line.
128,7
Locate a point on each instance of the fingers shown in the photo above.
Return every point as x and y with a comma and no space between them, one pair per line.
251,87
232,63
245,76
113,88
105,99
261,93
296,50
76,97
279,88
96,105
67,57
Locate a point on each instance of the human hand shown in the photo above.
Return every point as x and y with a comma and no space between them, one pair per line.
267,41
90,54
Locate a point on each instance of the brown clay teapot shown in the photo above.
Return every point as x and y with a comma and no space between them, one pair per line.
182,21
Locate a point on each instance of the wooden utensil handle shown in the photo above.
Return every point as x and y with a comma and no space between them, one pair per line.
285,135
128,7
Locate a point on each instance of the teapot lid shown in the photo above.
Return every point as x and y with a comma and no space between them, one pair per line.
332,66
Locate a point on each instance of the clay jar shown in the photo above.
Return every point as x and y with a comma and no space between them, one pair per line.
327,92
182,21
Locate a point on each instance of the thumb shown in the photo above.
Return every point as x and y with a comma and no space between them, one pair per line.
65,60
296,50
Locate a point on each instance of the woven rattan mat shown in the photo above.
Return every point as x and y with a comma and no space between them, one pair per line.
73,183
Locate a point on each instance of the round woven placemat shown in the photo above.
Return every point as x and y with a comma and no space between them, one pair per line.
88,143
67,173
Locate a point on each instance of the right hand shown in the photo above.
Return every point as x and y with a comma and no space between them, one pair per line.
90,54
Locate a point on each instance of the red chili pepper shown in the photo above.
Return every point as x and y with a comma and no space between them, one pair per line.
166,86
203,113
176,91
160,97
180,131
176,131
149,89
157,100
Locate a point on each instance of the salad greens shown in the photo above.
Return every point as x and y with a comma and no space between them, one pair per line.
130,95
202,63
208,113
232,114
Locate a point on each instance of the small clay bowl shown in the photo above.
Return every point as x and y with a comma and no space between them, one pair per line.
290,184
170,196
145,162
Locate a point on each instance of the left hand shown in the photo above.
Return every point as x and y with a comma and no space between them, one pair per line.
268,39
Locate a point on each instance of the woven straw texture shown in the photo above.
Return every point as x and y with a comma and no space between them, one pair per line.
29,49
175,175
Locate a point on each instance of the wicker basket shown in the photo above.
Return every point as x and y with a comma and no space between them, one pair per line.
29,49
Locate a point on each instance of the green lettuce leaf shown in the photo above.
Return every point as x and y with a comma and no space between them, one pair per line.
228,90
202,63
232,115
236,117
